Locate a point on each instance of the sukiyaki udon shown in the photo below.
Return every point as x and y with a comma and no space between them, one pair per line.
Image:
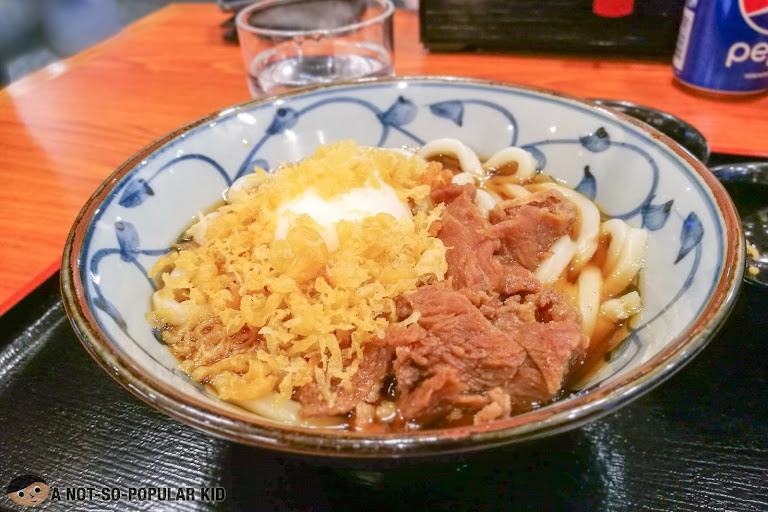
383,290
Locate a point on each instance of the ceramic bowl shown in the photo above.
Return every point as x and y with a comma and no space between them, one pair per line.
694,265
680,131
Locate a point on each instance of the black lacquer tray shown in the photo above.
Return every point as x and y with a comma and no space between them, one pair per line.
697,442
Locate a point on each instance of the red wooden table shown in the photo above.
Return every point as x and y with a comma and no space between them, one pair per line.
65,128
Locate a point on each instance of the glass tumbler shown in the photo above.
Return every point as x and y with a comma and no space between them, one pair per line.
294,43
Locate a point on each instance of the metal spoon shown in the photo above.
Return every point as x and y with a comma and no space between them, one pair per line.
747,183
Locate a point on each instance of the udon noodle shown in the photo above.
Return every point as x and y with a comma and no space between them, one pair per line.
388,290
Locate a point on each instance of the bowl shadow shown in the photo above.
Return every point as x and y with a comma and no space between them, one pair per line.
549,474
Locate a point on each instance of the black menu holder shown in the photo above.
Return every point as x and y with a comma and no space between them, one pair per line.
550,26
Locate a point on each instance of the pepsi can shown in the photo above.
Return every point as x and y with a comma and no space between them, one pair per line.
722,46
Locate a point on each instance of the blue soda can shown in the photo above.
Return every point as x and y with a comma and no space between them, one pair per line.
722,46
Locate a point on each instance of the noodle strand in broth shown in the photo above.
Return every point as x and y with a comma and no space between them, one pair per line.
427,310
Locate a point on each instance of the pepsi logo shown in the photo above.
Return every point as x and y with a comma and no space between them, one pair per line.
755,13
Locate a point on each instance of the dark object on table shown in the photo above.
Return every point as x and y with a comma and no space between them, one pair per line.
230,30
747,183
556,26
4,79
673,127
233,5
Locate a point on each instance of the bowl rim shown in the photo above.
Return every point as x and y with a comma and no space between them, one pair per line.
558,417
387,6
617,105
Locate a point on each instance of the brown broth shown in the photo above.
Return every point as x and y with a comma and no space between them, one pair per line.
448,162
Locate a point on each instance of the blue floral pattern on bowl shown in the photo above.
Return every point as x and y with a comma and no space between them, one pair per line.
608,159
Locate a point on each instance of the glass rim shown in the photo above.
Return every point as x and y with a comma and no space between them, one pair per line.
389,8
